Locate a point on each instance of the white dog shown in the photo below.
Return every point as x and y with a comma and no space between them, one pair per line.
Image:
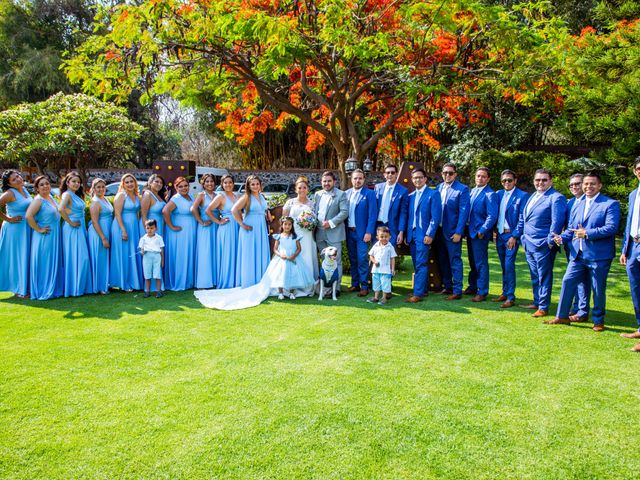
329,271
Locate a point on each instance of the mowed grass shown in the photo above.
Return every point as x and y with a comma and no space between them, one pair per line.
126,387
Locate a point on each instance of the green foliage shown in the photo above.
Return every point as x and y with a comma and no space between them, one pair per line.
67,131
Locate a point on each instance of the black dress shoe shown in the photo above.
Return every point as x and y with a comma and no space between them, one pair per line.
469,291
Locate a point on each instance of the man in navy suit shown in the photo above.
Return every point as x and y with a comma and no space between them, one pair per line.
511,202
591,236
392,201
360,229
424,217
454,197
630,256
580,309
483,214
543,218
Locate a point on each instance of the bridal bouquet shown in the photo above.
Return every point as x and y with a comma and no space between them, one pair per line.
307,220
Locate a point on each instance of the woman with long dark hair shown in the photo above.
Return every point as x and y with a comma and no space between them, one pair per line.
15,235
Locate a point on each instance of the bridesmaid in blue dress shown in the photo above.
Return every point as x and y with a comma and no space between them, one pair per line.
180,241
125,269
253,239
15,235
152,203
227,236
99,235
206,234
45,270
75,247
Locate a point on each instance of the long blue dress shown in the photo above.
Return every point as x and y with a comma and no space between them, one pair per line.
155,213
180,247
46,276
253,246
99,255
227,247
125,270
205,248
75,251
15,245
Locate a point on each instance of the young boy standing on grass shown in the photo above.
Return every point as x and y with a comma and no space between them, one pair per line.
383,258
152,250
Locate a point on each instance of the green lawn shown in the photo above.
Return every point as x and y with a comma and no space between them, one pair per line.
126,387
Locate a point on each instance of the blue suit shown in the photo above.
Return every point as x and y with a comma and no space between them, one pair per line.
590,258
455,212
483,215
631,249
426,220
583,293
397,215
538,224
365,215
513,212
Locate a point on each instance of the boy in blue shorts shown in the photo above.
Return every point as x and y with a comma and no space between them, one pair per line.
383,258
152,249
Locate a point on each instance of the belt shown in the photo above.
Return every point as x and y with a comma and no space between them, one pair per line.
353,229
506,230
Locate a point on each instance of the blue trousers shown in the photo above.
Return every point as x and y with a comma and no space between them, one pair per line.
478,251
420,257
540,262
450,262
633,272
359,259
588,272
508,264
583,295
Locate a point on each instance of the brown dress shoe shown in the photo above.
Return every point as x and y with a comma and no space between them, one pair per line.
577,319
630,335
414,299
453,296
557,321
501,298
479,298
508,304
363,293
636,348
598,327
353,289
540,313
531,306
469,291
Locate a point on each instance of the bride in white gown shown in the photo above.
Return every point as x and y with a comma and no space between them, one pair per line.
294,208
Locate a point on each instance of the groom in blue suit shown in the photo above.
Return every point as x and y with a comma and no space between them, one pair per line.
392,199
630,256
360,229
454,197
543,218
425,210
511,202
591,235
483,214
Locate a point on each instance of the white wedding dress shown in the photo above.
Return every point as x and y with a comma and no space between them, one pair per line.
309,251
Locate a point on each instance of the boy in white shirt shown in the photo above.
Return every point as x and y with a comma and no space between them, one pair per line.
383,258
152,250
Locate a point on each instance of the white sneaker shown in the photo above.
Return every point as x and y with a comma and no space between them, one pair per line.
292,296
280,296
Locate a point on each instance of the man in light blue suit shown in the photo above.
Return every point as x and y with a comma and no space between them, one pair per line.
511,202
360,229
630,256
580,309
591,236
543,218
454,197
392,201
424,217
483,214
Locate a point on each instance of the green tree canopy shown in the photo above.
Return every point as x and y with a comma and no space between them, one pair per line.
67,131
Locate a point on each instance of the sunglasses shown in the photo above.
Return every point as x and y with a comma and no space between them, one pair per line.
507,180
390,173
542,180
448,173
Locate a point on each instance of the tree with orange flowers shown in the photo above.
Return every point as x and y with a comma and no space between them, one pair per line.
354,72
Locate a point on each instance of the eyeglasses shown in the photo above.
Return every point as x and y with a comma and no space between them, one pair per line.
390,172
575,184
507,180
541,180
449,172
418,177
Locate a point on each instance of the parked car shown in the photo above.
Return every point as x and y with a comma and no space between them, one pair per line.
271,189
